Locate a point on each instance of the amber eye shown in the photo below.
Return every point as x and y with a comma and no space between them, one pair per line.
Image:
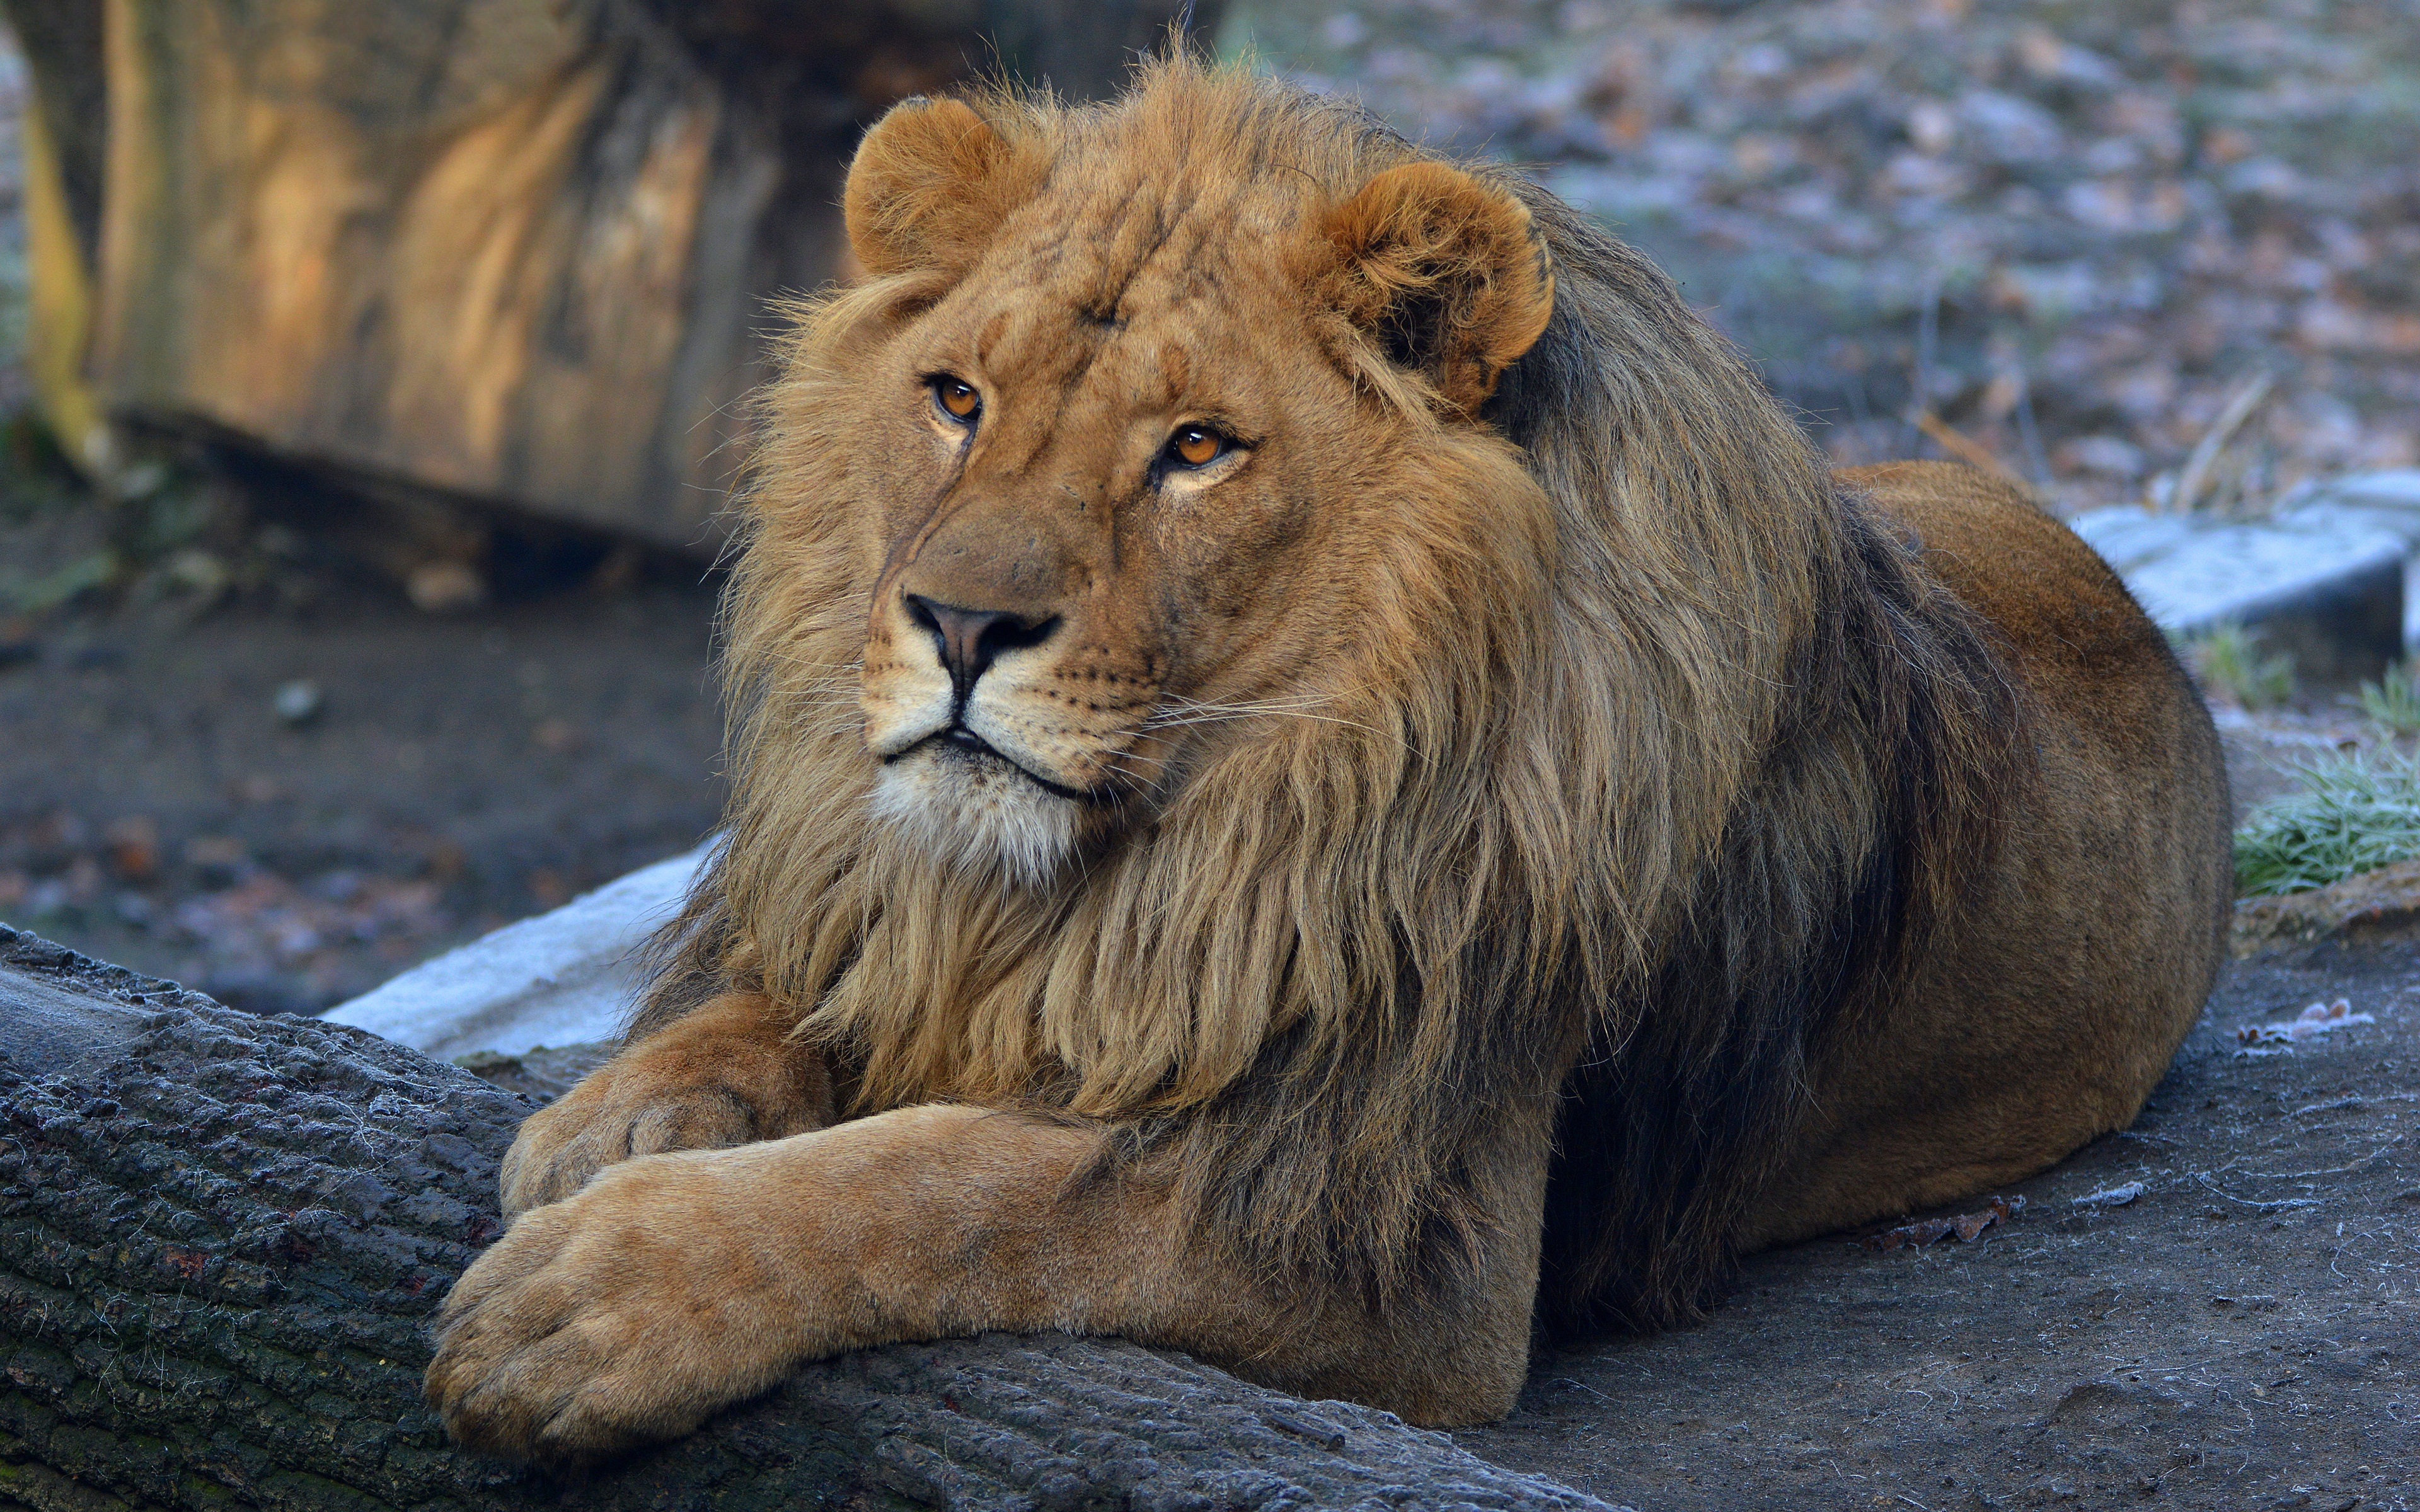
956,397
1197,447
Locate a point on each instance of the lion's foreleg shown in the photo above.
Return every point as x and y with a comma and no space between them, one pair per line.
670,1286
726,1075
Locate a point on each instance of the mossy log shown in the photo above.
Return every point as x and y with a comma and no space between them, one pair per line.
513,252
221,1236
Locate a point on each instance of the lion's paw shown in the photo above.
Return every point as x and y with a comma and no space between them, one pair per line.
564,1144
725,1075
620,1317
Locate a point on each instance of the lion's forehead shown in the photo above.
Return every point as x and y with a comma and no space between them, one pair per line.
1109,218
1125,278
1037,351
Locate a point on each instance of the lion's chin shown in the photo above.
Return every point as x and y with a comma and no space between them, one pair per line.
978,812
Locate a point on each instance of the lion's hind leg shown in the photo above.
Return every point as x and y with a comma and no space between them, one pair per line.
728,1073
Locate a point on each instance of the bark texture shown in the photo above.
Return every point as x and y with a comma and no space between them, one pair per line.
511,250
221,1236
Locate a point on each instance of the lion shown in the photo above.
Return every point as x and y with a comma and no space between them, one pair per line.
1321,777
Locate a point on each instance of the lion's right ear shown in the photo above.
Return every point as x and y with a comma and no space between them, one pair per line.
931,183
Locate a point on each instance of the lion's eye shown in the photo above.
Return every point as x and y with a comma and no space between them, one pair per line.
957,398
1197,446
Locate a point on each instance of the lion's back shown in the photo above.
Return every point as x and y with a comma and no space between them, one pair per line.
2086,656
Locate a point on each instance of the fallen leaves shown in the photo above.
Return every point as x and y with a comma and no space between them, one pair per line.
2314,1021
219,917
1965,1228
2110,1196
2113,210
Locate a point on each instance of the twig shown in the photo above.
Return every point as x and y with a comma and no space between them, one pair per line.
2334,1170
1966,448
2279,1206
2239,408
2029,434
2355,1101
1928,333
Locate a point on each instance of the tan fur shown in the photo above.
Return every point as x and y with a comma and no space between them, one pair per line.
1509,833
728,1073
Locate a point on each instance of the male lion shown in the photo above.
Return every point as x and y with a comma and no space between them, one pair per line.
1320,772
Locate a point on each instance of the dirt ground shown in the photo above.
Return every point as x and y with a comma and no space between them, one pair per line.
2244,1333
447,773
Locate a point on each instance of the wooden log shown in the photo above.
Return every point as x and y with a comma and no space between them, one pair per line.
221,1236
515,251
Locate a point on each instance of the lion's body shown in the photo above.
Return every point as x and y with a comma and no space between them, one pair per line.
1506,832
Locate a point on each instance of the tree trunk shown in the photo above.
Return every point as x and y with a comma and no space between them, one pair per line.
515,251
60,144
221,1236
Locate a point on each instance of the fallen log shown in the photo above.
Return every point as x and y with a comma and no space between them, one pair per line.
221,1236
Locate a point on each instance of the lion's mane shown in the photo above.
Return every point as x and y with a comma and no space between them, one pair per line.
1676,832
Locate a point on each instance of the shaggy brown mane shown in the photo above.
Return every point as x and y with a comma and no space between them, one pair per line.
1691,781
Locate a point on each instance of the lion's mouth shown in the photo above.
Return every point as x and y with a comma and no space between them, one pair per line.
958,743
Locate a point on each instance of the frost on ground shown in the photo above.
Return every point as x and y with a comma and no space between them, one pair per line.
2312,1022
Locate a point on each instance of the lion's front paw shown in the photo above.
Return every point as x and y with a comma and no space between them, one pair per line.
563,1145
725,1075
621,1316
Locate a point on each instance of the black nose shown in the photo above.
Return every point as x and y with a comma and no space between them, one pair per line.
969,639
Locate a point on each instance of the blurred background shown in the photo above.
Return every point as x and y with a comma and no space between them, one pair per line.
373,374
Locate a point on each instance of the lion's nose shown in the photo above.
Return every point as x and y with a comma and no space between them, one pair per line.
969,639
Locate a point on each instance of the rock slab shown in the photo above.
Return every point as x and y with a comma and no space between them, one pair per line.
567,977
2332,575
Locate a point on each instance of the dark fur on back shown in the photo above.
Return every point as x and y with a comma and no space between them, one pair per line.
1683,1102
1666,1136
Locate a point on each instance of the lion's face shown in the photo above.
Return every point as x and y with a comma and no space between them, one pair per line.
1122,486
1098,531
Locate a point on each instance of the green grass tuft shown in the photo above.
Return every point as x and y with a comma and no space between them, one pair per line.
2354,813
2394,702
2229,662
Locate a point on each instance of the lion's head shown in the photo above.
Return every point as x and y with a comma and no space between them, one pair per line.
1119,484
1237,613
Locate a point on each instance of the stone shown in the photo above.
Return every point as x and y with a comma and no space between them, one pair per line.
566,978
2369,908
2388,500
297,702
2326,579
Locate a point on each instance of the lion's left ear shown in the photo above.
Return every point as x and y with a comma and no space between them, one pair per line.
1447,271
